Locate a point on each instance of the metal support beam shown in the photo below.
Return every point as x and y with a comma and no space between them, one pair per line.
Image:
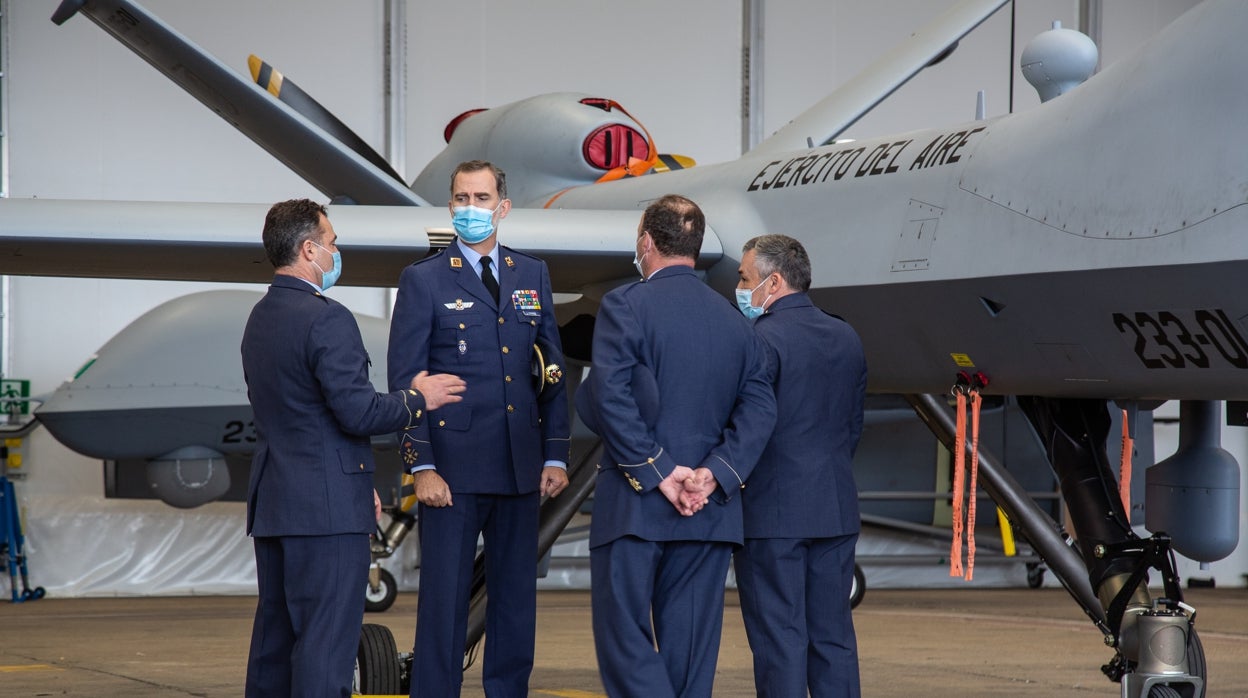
1041,531
395,87
751,74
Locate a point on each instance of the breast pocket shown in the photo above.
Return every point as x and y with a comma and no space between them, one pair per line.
461,339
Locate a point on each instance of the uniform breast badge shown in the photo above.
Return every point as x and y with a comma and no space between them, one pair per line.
463,347
459,304
527,301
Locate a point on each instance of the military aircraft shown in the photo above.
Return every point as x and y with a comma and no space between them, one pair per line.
1081,252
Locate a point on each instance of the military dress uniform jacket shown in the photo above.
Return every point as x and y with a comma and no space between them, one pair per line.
803,486
709,405
498,438
307,379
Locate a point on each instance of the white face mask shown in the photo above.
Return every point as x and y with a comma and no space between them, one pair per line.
637,260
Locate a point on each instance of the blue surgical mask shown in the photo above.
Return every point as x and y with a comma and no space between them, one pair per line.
473,224
743,301
329,278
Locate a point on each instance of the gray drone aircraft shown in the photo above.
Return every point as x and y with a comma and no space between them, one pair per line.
1084,252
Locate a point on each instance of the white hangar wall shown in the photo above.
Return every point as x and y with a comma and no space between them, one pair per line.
87,119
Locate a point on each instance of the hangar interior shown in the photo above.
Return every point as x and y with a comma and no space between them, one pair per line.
83,118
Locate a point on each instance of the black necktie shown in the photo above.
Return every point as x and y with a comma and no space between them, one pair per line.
487,278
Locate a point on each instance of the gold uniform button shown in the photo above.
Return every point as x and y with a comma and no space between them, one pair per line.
509,409
500,321
442,422
533,322
507,379
361,466
461,325
418,413
506,350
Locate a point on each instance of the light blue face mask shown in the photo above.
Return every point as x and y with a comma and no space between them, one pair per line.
329,278
473,224
743,301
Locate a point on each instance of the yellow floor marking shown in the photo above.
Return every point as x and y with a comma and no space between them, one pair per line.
12,668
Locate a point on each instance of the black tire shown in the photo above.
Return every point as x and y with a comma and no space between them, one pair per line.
1035,575
381,599
859,588
1196,663
376,662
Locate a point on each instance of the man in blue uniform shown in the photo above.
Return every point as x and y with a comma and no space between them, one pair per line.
801,508
310,500
678,393
476,309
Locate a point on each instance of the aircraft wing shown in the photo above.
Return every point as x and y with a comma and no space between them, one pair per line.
301,145
221,242
838,111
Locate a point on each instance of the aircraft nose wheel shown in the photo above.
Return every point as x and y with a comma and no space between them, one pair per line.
377,670
381,597
859,588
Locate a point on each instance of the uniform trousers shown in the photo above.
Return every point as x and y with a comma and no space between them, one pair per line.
795,604
307,627
448,546
669,593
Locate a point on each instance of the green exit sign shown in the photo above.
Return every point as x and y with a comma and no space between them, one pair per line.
13,396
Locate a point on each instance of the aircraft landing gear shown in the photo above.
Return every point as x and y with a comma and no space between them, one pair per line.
378,668
382,590
859,588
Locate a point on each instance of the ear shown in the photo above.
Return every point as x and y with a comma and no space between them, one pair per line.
504,208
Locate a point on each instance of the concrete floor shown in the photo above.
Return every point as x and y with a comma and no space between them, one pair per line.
967,642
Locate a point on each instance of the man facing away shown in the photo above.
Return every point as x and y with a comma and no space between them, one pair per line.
801,507
310,499
678,393
476,309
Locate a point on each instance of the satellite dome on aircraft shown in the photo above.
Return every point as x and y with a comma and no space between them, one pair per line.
1058,60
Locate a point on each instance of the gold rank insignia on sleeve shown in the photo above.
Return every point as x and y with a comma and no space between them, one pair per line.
456,263
633,481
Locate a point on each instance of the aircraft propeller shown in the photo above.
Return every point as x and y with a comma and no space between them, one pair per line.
285,89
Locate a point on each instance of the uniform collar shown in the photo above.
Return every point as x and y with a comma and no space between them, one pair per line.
674,270
793,300
288,281
473,258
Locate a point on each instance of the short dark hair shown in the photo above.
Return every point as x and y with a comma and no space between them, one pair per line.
784,255
676,225
287,225
500,177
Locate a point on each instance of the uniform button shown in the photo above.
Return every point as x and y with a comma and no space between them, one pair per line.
461,325
361,466
506,350
507,379
509,409
500,321
442,422
533,322
418,413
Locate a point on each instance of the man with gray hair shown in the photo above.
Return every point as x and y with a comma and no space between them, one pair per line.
801,507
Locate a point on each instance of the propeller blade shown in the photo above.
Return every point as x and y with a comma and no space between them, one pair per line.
285,89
